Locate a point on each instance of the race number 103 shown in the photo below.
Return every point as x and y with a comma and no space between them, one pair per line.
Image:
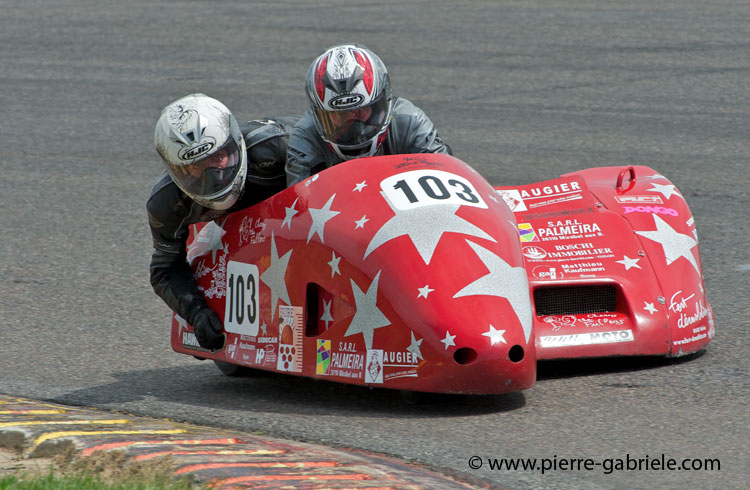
429,188
241,307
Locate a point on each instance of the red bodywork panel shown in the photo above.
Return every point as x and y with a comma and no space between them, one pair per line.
412,272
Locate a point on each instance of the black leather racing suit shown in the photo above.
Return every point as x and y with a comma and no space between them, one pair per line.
171,212
411,131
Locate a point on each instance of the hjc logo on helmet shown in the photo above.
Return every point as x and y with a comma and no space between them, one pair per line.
346,100
195,151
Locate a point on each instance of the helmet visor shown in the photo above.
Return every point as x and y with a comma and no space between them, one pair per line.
209,175
353,127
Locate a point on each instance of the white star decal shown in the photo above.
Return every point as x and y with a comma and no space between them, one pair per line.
334,264
495,335
675,244
425,226
448,340
628,262
209,239
181,322
360,186
368,316
290,212
264,329
502,281
214,241
649,307
423,292
274,276
327,312
415,347
667,190
319,219
655,176
361,222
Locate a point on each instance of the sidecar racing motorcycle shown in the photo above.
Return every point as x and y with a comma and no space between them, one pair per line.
412,272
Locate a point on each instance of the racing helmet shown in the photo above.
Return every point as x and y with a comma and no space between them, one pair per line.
350,96
202,147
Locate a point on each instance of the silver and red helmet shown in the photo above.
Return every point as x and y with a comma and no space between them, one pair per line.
202,147
350,95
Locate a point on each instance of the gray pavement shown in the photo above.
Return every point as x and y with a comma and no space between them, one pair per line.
524,91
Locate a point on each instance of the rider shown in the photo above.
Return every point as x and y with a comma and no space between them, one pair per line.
214,166
352,114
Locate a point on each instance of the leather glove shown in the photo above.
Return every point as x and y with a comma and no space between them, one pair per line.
207,327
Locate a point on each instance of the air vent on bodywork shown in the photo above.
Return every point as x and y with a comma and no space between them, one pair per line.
575,300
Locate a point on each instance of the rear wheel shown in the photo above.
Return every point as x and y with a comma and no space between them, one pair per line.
232,370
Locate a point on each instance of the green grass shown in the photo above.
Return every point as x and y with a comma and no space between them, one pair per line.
52,481
112,470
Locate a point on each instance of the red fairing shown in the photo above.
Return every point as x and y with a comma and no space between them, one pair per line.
400,272
412,272
614,264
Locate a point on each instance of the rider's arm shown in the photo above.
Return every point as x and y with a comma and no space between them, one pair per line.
304,156
171,276
416,131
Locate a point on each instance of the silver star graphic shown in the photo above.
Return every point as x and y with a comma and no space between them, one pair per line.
334,264
360,186
290,212
425,226
361,222
274,276
448,340
423,292
319,219
502,281
368,316
628,262
327,312
181,322
667,190
416,347
211,235
655,176
649,307
675,244
264,329
495,335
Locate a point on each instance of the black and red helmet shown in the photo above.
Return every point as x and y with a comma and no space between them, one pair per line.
350,96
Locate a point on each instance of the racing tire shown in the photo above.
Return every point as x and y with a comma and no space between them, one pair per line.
232,370
410,397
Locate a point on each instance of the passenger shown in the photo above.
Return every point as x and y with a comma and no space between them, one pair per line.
214,166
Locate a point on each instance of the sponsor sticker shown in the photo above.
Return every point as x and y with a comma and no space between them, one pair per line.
526,233
639,199
547,272
290,339
513,200
650,209
323,357
534,253
374,366
586,338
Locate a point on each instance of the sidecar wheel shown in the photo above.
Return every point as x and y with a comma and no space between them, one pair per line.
410,397
232,370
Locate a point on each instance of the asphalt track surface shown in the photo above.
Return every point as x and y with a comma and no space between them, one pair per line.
523,90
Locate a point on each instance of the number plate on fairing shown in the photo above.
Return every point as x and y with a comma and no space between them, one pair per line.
241,307
429,187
